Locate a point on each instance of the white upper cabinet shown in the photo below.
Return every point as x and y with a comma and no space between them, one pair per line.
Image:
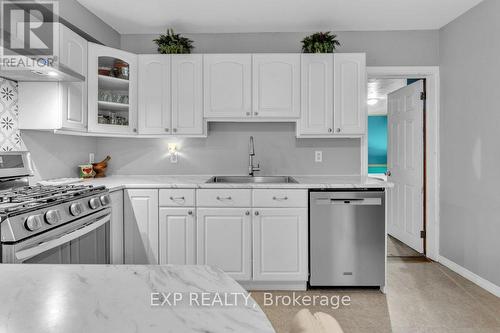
316,95
112,90
154,94
58,105
276,86
227,85
350,93
187,94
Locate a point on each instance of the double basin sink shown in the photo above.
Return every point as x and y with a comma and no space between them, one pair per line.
253,180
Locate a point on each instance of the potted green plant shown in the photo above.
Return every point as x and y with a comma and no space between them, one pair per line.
172,43
320,42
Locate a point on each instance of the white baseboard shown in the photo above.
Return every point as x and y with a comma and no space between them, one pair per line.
483,283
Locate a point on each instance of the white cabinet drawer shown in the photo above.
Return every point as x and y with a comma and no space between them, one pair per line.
224,197
177,197
279,198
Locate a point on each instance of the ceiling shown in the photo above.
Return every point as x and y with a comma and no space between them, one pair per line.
233,16
378,89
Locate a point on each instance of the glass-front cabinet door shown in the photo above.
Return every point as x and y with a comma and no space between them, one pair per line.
112,90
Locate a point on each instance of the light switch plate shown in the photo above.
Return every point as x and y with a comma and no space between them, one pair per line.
318,156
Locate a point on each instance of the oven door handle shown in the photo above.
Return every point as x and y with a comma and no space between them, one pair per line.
64,238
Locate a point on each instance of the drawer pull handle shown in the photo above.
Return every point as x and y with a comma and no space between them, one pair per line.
177,198
280,199
223,198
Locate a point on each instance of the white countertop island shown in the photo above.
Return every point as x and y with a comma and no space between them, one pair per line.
101,298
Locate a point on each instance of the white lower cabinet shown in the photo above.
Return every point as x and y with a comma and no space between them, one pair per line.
116,228
280,244
177,236
141,226
224,240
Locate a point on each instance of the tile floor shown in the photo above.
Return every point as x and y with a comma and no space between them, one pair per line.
422,296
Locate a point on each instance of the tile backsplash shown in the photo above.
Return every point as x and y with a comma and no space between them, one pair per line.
10,136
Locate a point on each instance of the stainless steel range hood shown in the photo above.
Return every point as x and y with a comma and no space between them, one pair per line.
56,72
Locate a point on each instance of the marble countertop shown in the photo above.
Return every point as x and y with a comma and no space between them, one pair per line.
124,298
117,182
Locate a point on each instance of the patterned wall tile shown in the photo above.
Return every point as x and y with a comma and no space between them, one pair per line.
10,136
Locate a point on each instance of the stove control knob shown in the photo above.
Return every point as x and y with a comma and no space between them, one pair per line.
105,199
76,209
33,222
53,216
94,203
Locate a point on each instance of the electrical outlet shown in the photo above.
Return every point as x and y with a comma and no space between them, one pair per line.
318,156
91,158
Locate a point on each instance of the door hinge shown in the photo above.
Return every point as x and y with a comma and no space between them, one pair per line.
423,96
422,234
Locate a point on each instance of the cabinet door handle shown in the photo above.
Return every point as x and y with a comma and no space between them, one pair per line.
247,213
330,130
223,198
280,198
167,129
174,130
256,213
177,198
134,130
256,113
190,212
338,130
248,113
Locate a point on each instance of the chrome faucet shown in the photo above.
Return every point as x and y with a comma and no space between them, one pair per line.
251,154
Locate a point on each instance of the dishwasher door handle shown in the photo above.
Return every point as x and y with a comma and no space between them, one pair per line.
350,201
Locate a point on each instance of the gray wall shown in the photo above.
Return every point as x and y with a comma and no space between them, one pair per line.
82,18
57,156
225,151
470,150
383,48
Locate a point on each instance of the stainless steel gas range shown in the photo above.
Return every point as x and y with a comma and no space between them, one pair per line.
66,224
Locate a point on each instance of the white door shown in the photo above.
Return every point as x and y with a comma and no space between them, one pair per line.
350,84
141,227
227,85
224,240
177,236
73,54
280,244
316,94
187,94
112,95
405,164
116,228
276,85
154,108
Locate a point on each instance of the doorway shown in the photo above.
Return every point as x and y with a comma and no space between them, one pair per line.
396,152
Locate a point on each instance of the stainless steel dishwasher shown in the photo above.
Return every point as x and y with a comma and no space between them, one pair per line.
347,237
